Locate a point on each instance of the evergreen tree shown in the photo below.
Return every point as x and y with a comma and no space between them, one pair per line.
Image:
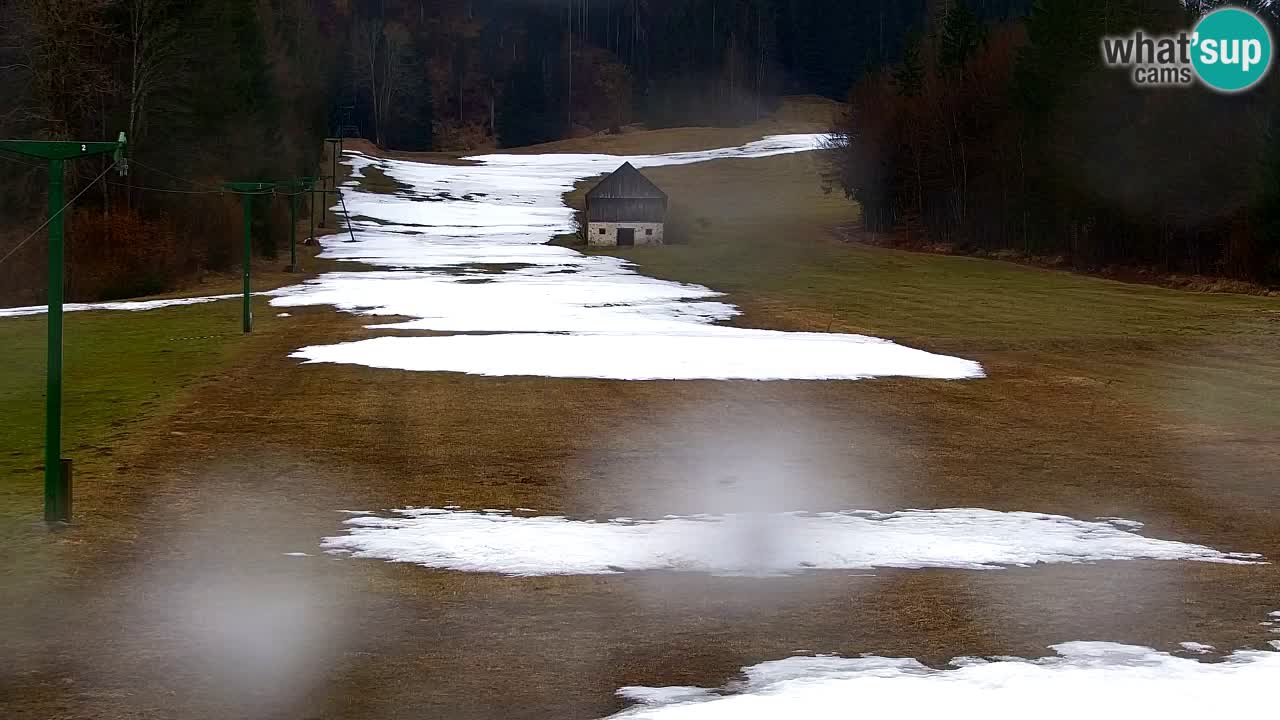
909,76
411,117
525,113
961,35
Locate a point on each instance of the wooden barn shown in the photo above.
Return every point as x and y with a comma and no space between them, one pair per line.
626,209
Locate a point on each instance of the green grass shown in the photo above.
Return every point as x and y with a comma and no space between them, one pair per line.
121,369
759,230
901,294
748,236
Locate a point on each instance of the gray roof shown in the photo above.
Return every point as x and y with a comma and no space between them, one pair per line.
626,183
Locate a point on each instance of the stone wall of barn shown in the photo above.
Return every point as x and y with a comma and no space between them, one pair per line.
605,234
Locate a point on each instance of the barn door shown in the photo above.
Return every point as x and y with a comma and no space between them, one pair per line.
626,237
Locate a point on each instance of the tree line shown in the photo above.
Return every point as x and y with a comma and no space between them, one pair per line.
461,74
206,91
216,90
1013,138
985,125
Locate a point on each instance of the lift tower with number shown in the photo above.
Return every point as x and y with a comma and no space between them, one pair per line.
57,471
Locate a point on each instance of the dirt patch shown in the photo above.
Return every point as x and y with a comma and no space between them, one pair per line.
261,460
435,158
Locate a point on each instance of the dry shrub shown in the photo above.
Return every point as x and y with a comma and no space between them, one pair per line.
471,136
271,228
212,226
22,274
118,254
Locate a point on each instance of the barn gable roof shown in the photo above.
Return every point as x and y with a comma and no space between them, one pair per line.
626,183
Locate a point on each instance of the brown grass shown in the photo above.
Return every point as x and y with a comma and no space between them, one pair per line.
436,158
284,460
799,114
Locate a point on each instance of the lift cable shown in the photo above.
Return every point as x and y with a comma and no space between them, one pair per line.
56,214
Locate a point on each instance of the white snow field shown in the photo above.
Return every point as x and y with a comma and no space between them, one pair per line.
750,544
463,251
130,305
1082,679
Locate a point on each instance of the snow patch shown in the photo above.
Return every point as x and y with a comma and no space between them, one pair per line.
1195,647
754,544
1126,680
728,355
130,305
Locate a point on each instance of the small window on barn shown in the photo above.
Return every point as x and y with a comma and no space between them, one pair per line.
649,231
602,231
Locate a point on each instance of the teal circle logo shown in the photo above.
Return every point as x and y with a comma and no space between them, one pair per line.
1231,50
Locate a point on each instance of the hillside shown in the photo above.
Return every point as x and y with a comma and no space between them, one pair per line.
214,470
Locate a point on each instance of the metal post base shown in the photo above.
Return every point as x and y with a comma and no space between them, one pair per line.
59,509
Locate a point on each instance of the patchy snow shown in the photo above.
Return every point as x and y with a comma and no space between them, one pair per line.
1198,648
755,544
463,251
130,305
1126,681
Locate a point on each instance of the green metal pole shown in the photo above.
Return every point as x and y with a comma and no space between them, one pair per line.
324,197
57,472
323,200
54,502
293,229
247,311
311,209
335,152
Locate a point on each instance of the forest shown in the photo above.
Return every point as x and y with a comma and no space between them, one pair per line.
215,90
1012,139
981,125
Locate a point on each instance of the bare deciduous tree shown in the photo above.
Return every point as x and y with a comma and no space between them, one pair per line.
55,36
154,44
